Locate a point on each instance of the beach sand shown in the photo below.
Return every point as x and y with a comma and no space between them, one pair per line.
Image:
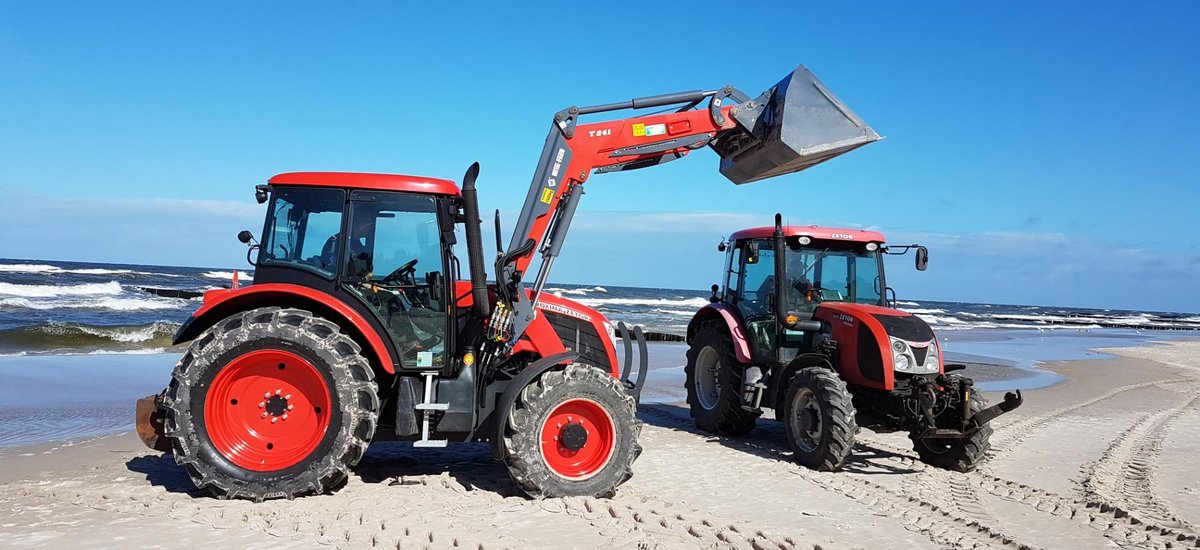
1104,459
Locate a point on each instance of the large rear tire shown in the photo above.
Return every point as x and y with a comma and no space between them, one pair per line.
962,454
714,382
572,432
271,403
819,419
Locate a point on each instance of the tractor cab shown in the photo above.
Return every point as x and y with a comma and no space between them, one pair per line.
386,253
821,265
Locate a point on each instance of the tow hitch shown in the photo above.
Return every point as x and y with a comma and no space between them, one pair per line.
149,422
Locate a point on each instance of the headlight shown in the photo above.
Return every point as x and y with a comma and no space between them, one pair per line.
902,362
898,346
932,363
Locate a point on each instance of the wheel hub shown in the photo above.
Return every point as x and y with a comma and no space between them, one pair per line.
276,405
573,436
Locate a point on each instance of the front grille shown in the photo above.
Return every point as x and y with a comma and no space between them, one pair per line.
920,354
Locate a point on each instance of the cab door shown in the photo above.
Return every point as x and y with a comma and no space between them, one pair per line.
396,263
755,282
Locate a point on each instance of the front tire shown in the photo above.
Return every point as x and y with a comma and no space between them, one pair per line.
572,432
714,383
271,403
819,419
960,455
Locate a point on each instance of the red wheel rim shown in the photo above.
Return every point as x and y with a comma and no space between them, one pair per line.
267,410
594,454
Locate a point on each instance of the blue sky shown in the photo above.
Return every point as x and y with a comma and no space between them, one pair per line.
1046,152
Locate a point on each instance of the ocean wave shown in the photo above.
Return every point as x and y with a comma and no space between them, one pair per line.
51,269
680,312
917,311
678,302
54,336
576,291
52,291
107,302
907,304
226,275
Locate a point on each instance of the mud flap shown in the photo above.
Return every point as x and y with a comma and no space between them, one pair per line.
149,422
1011,401
634,387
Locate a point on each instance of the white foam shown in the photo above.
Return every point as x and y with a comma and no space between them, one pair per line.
907,304
684,302
48,269
575,291
917,311
680,312
130,334
51,291
227,275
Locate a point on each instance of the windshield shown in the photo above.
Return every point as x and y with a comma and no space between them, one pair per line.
834,275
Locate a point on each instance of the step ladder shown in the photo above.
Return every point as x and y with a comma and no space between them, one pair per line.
427,408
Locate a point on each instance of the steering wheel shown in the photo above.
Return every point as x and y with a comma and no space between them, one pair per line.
399,272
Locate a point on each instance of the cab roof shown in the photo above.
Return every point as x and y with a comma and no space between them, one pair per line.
813,231
378,182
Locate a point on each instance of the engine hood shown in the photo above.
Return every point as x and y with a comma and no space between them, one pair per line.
897,324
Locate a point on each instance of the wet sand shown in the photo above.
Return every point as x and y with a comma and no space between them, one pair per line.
1104,459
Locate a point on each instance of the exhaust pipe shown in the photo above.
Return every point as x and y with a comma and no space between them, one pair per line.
780,245
475,243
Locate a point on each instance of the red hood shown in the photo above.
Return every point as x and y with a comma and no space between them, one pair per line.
864,309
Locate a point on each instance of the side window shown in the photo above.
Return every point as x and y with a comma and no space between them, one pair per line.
302,229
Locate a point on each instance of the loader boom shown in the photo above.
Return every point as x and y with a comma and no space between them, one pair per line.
759,136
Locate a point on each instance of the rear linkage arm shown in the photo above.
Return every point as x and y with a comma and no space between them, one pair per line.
572,151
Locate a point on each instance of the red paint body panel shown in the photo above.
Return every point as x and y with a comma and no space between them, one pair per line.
380,182
823,233
214,298
845,319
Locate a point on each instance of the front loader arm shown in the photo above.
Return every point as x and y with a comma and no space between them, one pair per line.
570,154
794,125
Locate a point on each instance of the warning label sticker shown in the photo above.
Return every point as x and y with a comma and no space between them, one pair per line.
640,130
424,359
547,195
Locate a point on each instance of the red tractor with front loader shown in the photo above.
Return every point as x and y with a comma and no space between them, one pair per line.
358,328
803,325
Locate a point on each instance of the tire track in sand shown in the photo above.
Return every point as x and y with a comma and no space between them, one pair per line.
1123,477
1011,434
943,524
1115,524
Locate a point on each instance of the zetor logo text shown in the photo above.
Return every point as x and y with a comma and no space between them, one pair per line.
846,236
844,318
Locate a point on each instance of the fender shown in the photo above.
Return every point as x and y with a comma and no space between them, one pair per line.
509,397
219,304
784,377
741,345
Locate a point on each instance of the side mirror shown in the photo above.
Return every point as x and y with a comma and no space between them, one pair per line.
922,258
714,299
721,247
245,236
260,193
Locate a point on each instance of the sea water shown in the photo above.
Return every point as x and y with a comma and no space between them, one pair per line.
79,342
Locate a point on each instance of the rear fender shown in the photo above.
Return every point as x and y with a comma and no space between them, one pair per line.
219,304
741,345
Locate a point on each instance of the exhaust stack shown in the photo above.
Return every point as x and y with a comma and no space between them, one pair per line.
796,124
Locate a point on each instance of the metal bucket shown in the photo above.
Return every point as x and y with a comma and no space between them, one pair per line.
796,124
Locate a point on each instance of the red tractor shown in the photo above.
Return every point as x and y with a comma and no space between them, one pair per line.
804,326
357,326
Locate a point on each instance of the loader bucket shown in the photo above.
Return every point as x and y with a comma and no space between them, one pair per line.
796,124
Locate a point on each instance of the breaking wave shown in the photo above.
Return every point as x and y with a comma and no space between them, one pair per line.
677,302
576,291
56,337
53,291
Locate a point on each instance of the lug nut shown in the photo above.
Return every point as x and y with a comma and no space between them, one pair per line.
285,416
277,392
264,415
267,395
288,396
290,407
274,419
